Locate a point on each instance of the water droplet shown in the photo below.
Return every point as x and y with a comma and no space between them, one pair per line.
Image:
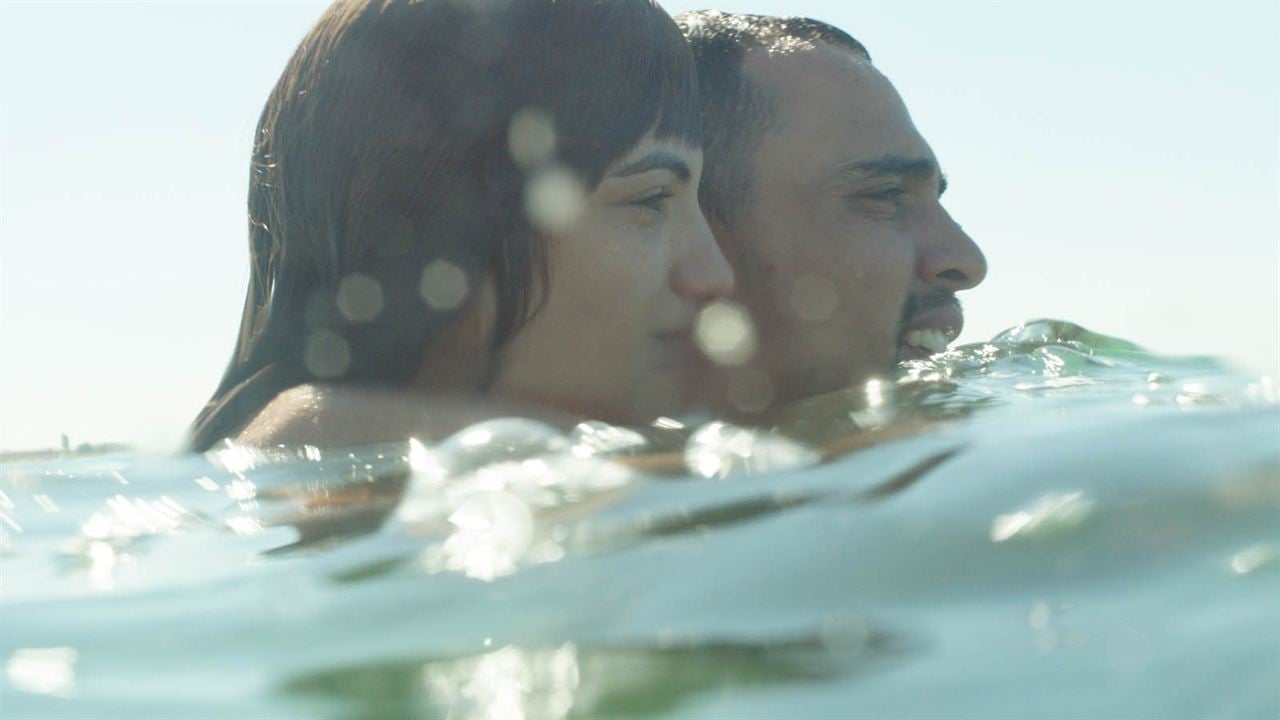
1193,394
599,438
725,333
420,458
719,449
493,532
1052,513
531,137
326,354
444,285
475,437
554,199
483,487
1254,558
359,298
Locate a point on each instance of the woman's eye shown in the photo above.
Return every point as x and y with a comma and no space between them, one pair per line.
654,200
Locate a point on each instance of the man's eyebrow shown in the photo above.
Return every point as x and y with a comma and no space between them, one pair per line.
893,165
657,160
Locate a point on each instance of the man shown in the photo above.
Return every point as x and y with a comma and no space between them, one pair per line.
825,199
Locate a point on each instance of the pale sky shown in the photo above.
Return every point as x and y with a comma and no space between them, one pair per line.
1118,163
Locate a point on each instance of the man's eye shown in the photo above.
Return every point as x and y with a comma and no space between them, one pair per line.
890,194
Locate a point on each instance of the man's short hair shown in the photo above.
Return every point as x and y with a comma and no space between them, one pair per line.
736,113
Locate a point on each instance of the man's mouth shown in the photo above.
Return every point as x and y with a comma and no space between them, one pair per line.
930,323
931,339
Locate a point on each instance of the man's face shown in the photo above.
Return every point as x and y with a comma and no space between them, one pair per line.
844,255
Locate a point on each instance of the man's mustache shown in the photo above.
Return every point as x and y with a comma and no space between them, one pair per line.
920,302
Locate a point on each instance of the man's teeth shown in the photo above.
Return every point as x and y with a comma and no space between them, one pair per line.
930,339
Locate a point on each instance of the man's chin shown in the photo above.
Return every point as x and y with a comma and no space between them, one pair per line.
911,352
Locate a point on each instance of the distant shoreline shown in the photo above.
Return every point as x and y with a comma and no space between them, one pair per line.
82,450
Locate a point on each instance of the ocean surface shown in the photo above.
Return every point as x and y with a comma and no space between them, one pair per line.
1056,524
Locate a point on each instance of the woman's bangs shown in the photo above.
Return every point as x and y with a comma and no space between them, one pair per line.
634,74
673,78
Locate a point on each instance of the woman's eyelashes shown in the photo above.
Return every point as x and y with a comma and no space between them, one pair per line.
652,204
656,200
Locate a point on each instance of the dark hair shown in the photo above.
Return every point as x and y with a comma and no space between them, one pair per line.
383,149
736,113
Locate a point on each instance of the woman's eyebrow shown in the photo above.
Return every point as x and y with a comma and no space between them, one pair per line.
656,160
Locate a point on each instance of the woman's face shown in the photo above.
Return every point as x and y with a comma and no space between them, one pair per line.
631,265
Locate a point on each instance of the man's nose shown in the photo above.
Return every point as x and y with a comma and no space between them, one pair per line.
949,258
701,273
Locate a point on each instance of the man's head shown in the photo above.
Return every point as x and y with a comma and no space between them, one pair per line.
825,198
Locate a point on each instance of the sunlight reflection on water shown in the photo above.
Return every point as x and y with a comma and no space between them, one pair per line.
1048,543
483,487
507,684
44,671
1051,514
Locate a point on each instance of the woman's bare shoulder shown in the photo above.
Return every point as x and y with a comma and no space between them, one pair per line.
333,416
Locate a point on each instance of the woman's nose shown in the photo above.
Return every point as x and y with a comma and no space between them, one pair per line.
701,273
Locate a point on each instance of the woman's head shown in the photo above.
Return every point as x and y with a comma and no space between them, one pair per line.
613,338
422,162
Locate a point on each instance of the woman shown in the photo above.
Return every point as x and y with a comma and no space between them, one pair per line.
466,208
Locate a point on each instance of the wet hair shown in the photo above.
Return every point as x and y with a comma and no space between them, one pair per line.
736,112
383,177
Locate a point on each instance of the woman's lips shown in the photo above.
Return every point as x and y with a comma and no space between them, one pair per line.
677,349
679,366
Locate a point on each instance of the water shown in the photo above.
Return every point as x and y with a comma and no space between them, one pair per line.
1068,527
